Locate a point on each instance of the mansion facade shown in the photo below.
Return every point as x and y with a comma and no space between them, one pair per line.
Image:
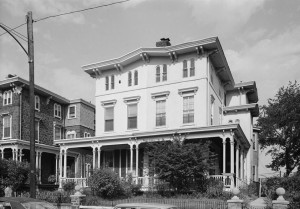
152,94
56,118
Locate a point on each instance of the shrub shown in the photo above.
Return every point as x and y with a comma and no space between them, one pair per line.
54,197
105,183
69,186
131,189
52,179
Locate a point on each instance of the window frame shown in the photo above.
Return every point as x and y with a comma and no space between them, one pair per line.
157,74
129,78
192,67
107,120
136,78
165,73
132,117
7,98
74,111
60,129
37,131
112,82
189,111
37,103
57,110
184,69
71,133
10,126
106,83
163,115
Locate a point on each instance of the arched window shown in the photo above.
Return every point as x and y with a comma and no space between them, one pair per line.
106,83
129,79
136,80
157,73
112,82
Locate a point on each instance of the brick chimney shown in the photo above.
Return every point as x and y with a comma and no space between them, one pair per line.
163,42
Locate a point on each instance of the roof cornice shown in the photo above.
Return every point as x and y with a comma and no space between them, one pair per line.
253,107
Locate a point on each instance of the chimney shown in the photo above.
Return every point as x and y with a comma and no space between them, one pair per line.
163,42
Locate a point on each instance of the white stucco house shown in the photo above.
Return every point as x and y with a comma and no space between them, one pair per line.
151,94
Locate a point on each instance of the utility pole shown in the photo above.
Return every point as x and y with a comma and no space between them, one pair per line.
31,104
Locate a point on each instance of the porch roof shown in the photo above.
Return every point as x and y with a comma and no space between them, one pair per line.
190,133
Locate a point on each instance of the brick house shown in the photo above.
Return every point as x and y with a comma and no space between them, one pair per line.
55,118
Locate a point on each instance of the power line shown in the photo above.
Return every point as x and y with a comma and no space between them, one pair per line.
76,11
24,38
13,29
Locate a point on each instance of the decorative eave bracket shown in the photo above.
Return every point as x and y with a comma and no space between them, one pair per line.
200,51
173,56
118,67
97,72
145,57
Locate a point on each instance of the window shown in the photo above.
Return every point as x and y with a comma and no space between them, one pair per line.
192,68
37,102
136,78
37,131
212,109
72,112
57,110
158,73
112,82
164,76
57,132
71,134
254,172
129,78
106,83
7,126
132,116
86,134
161,113
254,142
185,70
7,97
188,109
109,119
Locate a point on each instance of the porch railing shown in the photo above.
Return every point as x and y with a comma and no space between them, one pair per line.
78,181
230,181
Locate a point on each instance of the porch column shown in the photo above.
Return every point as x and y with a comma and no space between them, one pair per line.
21,155
242,163
16,154
56,168
137,162
36,159
131,158
40,166
237,158
224,155
60,167
120,166
13,153
1,153
65,162
231,155
99,155
76,165
94,157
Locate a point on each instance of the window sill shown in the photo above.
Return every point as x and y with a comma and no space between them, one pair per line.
160,127
71,118
6,138
132,130
57,117
187,124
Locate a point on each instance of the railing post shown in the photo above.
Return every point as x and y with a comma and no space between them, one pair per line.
280,203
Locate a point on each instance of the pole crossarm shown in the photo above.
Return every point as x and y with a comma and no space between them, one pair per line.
4,28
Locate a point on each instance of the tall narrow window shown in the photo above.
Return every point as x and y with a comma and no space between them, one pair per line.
185,70
164,76
157,73
132,116
37,102
37,131
192,69
112,82
72,112
7,97
161,113
57,110
106,83
57,132
136,79
129,78
188,109
109,119
7,126
212,109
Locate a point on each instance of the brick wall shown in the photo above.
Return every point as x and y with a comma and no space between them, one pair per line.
14,110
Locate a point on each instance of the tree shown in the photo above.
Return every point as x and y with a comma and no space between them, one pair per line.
13,173
280,128
181,163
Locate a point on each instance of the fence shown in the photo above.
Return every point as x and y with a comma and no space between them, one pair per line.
182,204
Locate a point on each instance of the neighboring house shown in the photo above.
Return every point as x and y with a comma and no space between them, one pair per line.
153,93
55,118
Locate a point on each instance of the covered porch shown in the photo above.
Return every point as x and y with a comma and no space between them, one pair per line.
125,154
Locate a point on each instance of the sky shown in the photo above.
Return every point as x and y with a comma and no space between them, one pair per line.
260,38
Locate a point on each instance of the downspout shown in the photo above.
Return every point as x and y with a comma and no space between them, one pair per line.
207,90
20,116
